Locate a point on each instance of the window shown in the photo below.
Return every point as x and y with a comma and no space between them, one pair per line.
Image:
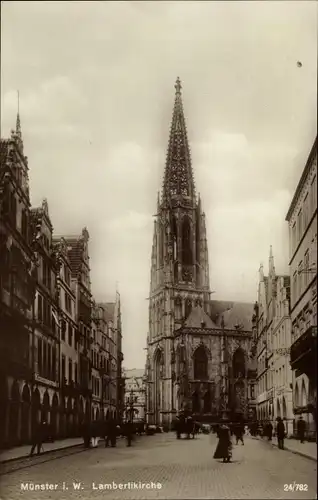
40,306
300,224
45,359
252,391
54,363
40,356
49,361
75,372
63,368
294,236
306,211
300,277
70,334
306,267
313,194
63,329
70,370
295,286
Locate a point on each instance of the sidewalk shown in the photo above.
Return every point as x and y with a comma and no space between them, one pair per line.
306,449
24,451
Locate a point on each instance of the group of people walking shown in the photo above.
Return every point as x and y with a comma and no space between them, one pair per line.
107,430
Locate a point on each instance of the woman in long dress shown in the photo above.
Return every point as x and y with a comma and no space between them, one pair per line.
224,446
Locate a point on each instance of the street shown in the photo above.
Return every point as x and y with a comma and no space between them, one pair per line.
183,468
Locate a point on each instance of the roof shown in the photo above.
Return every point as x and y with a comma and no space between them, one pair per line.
75,252
134,373
109,308
236,315
302,180
196,317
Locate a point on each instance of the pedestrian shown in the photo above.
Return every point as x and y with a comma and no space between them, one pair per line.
280,433
269,431
38,437
238,432
301,429
129,432
94,433
224,446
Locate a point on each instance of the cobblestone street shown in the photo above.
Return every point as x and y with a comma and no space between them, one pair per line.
185,469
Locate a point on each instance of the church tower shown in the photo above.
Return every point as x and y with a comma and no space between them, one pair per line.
179,266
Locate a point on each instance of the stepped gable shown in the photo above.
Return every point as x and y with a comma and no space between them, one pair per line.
197,317
109,308
75,251
236,315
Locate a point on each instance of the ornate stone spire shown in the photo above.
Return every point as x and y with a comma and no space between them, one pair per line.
178,178
17,134
271,262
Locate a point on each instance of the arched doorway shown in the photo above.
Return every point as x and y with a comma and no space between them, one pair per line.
238,393
25,415
200,364
284,409
81,411
36,411
62,430
46,407
75,417
4,405
69,417
279,413
14,414
303,394
54,415
158,362
196,402
296,396
107,415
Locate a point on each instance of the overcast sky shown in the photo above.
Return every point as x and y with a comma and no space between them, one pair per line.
96,82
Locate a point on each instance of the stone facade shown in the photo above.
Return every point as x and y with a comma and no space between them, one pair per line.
193,342
302,220
135,391
274,377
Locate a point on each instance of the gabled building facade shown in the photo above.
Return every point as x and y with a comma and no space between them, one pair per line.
135,395
273,334
69,419
17,290
46,337
302,221
198,349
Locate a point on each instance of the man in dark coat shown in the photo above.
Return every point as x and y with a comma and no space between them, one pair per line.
38,437
129,432
238,430
301,429
280,433
269,429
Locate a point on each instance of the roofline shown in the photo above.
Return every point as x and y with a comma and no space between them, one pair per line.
301,181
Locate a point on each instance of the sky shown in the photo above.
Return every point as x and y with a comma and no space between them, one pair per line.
96,83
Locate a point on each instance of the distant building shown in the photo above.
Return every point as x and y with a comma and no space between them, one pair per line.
274,377
135,394
302,220
198,350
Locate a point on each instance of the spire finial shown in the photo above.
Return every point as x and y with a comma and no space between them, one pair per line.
178,86
18,124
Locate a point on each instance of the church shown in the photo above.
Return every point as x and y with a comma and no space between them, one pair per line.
200,352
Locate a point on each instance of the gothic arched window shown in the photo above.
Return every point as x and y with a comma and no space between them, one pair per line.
200,363
186,243
174,236
238,363
188,308
161,244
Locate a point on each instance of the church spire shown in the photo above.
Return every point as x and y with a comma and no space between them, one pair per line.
271,262
17,133
178,178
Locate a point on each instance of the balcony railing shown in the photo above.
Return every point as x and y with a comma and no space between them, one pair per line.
306,344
